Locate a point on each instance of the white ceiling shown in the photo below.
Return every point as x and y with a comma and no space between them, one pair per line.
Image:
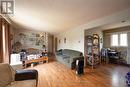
115,25
55,16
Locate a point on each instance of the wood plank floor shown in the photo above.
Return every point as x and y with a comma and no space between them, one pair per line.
54,74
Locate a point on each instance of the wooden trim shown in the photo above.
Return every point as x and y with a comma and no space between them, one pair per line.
1,52
122,29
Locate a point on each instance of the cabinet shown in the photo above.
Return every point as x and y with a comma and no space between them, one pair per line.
92,50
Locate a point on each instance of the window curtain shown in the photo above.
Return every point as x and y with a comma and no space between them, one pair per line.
4,41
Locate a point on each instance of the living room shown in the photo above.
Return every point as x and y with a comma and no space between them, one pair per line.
65,43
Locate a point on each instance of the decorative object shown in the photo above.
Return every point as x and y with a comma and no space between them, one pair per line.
59,40
17,47
64,40
44,47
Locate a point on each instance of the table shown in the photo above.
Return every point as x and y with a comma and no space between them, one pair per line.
41,59
113,56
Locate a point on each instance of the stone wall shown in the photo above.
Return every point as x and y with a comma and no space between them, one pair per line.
23,39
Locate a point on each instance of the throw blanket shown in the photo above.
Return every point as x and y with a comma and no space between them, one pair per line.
6,75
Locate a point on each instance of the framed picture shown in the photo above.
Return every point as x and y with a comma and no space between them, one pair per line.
59,40
64,40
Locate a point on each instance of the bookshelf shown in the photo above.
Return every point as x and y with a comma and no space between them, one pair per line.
92,50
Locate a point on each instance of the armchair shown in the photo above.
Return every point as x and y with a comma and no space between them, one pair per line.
18,78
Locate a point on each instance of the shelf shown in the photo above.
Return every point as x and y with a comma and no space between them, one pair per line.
92,44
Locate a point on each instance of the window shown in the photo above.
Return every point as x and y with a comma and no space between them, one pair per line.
114,40
119,39
123,39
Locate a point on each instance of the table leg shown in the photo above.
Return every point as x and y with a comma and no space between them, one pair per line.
25,65
32,64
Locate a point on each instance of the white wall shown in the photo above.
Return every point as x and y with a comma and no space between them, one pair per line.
75,36
128,49
74,40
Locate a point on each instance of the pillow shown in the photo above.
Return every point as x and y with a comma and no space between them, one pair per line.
65,56
59,52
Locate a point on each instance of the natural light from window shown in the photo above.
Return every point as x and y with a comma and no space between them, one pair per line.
123,39
114,40
119,39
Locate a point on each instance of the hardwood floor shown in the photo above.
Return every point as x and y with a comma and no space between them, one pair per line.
54,74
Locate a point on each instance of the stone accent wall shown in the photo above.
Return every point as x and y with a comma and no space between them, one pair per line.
24,39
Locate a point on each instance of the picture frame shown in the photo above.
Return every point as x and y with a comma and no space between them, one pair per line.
65,40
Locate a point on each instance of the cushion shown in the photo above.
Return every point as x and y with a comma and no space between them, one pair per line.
67,60
26,75
65,56
71,52
59,52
